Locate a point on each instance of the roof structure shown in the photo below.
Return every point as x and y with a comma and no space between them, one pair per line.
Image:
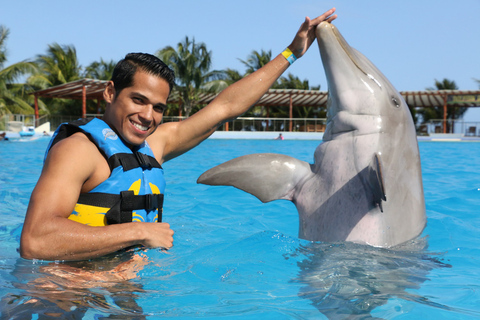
278,97
440,98
93,89
315,98
80,89
75,90
87,89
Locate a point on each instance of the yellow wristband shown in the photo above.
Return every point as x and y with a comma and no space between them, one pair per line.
288,54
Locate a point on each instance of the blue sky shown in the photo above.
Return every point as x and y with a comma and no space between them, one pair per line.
411,42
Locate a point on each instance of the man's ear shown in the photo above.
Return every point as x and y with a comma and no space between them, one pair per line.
109,92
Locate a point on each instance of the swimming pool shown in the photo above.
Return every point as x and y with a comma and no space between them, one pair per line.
235,258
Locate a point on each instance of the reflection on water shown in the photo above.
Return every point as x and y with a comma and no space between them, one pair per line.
72,290
342,281
348,281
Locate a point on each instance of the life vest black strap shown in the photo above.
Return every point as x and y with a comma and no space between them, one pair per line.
127,160
132,160
121,206
68,129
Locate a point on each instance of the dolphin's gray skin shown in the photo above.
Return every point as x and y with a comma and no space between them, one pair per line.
366,184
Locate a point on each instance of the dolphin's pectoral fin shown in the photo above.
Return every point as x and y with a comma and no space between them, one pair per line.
267,176
376,181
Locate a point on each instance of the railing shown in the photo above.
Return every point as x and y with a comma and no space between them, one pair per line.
26,120
239,124
55,121
21,120
268,124
436,126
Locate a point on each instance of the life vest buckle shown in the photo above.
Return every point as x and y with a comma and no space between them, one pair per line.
143,160
151,202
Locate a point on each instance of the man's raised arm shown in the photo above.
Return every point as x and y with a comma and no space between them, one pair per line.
235,100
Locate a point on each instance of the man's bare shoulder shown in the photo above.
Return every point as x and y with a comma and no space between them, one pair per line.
75,151
78,159
77,145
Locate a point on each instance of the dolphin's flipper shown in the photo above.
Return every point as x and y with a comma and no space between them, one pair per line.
376,181
267,176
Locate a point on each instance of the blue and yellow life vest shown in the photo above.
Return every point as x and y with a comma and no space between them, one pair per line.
133,192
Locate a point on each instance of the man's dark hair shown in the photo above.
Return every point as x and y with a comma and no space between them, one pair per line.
126,68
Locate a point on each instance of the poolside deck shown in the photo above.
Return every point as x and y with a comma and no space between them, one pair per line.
271,135
266,135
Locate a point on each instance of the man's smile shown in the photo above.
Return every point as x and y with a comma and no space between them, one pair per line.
139,126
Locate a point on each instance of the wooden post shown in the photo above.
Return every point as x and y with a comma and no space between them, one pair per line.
36,111
445,113
84,101
291,114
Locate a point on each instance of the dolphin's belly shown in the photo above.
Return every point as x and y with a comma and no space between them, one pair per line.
338,210
338,205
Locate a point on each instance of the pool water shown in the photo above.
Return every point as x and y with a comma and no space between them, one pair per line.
236,258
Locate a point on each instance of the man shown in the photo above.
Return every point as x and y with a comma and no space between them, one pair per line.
76,164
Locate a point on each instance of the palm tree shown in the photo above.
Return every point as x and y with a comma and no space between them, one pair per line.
256,60
14,97
232,76
58,66
437,112
445,84
102,70
294,82
191,62
222,80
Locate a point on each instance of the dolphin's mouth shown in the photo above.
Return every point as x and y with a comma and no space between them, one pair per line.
346,124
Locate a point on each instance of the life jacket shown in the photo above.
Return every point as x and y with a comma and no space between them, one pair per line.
136,185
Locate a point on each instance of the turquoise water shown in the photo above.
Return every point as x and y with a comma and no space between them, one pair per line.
236,258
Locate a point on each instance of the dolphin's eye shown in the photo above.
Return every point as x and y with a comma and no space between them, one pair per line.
396,102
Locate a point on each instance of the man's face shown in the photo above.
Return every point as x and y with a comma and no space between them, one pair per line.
138,110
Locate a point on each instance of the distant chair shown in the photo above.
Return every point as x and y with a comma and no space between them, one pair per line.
422,130
312,128
471,131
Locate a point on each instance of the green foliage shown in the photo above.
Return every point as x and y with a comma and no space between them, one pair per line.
102,70
256,60
14,97
294,82
58,66
432,113
191,62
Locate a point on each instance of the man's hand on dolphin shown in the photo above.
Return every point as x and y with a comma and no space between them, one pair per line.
306,34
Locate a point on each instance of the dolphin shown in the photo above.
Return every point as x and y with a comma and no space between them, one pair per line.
365,185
